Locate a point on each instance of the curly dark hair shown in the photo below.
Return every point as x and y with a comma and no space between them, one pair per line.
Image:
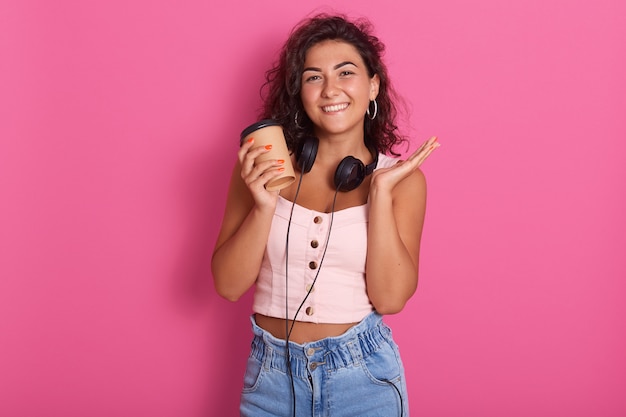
283,81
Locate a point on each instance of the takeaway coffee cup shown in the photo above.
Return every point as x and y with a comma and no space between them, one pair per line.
269,132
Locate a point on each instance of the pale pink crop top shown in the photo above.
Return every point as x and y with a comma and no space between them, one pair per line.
339,294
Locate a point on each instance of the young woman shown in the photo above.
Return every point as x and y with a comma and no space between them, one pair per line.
336,250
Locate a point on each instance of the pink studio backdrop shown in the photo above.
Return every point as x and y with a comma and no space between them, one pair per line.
119,129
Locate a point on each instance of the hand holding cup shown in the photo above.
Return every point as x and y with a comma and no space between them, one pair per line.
268,134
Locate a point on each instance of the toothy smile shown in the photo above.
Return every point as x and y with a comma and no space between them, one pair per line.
335,107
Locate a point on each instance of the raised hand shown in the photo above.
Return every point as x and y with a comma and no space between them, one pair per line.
388,178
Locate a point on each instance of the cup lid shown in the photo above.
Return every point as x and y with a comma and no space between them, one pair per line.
256,126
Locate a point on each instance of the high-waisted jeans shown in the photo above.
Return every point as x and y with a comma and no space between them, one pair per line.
356,374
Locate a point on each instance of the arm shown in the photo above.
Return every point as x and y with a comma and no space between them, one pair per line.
245,228
397,209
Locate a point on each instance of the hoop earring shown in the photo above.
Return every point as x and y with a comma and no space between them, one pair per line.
295,119
372,116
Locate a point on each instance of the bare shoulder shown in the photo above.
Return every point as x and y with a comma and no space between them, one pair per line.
412,189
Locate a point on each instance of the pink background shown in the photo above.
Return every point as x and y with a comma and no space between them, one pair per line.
119,128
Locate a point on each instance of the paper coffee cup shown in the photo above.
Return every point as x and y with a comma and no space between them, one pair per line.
269,132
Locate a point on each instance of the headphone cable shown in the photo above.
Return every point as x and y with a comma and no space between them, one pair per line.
287,332
319,268
289,329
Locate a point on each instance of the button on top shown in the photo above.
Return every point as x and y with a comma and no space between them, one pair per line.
314,244
313,366
317,219
309,311
309,288
313,265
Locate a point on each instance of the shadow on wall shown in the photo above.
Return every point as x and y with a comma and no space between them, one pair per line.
202,188
225,326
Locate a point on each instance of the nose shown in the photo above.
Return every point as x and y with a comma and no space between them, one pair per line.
330,88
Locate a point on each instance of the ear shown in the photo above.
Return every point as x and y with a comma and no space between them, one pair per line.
374,86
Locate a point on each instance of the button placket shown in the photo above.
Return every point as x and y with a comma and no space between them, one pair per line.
317,229
313,365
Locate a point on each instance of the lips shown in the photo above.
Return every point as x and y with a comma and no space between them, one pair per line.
335,107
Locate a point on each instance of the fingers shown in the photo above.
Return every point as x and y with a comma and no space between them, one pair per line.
429,144
420,155
254,172
247,156
259,177
245,149
426,144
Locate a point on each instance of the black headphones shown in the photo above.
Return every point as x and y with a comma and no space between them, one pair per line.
350,172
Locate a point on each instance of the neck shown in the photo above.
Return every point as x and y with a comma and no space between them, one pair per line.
333,148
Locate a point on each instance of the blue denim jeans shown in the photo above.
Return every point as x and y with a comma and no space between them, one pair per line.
356,374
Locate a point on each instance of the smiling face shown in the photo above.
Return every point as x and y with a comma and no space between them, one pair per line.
336,89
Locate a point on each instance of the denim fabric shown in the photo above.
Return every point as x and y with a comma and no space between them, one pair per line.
357,374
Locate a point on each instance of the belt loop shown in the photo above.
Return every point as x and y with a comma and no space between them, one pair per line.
269,352
355,351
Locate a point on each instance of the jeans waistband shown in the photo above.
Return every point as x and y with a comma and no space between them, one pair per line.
356,343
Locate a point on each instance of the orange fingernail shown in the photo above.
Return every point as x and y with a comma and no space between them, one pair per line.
268,147
280,161
281,169
250,140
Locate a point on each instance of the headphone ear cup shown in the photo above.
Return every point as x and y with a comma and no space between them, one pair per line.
305,156
350,174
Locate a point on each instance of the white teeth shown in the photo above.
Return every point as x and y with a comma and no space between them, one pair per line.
335,107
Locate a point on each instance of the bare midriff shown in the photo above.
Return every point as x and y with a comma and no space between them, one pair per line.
303,332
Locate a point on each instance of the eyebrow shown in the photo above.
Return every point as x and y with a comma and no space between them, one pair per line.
336,67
